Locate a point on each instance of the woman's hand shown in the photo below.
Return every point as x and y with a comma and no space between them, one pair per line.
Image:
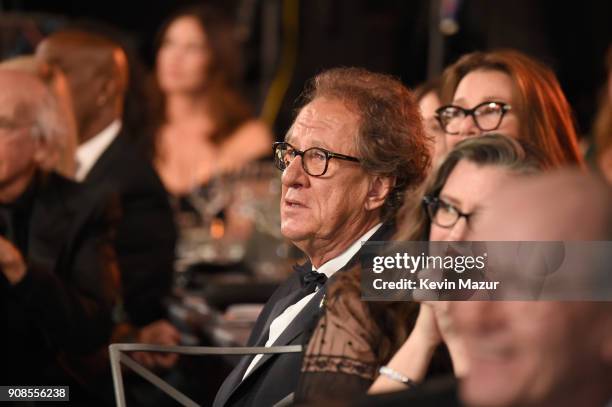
434,325
413,358
448,334
426,328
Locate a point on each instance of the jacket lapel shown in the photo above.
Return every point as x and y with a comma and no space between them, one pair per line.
278,309
234,380
295,328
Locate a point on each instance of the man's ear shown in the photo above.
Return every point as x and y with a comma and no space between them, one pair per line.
109,90
379,189
44,155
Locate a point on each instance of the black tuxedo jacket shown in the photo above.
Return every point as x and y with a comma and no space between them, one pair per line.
276,376
64,303
146,232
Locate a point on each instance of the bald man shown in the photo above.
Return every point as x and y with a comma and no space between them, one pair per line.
97,73
57,274
541,353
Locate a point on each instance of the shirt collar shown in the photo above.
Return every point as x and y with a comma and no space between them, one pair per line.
335,264
88,153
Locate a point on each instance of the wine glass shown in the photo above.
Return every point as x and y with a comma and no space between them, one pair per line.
210,199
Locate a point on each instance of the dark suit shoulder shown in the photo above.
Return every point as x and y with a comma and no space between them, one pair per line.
123,166
146,232
62,196
63,211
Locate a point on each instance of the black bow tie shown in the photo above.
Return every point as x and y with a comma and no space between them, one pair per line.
313,278
310,277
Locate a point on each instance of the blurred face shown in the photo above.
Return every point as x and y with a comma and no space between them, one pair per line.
428,105
84,74
484,86
316,211
468,188
532,353
17,146
184,57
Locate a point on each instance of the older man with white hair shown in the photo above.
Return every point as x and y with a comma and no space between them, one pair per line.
57,282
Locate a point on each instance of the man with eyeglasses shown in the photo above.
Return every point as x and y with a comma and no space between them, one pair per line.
57,269
355,148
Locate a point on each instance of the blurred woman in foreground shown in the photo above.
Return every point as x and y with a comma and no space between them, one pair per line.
470,175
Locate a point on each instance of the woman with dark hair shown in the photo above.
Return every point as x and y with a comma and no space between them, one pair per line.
204,127
508,93
474,170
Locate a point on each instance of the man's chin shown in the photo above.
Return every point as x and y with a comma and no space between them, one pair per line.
473,395
293,233
491,391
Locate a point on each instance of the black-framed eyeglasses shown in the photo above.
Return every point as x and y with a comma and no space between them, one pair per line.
7,125
487,116
442,213
314,160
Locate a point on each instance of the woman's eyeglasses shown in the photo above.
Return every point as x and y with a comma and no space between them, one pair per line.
442,213
487,116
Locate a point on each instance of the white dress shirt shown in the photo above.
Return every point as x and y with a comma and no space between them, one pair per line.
88,153
281,322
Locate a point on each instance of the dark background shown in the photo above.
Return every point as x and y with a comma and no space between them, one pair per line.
383,35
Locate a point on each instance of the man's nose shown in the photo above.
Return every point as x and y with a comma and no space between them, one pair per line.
478,317
294,175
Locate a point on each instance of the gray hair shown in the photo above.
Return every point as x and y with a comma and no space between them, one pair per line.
489,150
42,108
50,126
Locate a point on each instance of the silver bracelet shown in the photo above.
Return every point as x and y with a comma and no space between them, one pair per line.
396,376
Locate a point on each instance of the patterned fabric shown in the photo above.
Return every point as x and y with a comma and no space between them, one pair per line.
344,340
339,364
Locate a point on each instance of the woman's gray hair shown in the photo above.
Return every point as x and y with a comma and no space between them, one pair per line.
488,150
491,149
